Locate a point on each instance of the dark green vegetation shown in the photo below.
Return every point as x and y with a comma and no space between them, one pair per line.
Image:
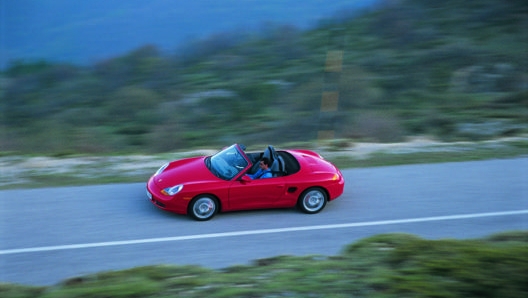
389,265
455,70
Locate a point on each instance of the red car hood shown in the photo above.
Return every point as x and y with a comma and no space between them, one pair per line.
184,171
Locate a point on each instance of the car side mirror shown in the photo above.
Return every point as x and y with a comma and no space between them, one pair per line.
245,178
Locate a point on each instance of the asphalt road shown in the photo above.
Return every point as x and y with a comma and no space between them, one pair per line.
47,235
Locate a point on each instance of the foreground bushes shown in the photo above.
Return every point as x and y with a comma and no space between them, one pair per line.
390,265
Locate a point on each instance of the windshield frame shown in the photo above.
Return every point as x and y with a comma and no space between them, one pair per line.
229,163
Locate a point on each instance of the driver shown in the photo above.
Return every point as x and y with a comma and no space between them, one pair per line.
263,171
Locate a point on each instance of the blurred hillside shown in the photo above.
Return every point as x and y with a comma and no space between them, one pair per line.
454,70
82,32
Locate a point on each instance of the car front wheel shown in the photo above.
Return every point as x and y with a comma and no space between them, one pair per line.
203,208
312,200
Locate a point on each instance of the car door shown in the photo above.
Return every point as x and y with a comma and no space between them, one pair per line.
254,194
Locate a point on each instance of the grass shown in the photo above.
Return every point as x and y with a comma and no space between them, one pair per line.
34,172
387,265
461,153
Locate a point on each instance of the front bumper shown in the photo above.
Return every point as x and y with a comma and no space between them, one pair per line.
173,204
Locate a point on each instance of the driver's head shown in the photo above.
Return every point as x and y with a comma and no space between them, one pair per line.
264,163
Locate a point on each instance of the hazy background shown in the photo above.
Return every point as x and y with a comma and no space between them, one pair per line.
135,76
87,31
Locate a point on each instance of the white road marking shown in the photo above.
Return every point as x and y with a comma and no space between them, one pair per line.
263,231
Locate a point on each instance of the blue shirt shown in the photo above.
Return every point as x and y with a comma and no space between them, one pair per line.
261,174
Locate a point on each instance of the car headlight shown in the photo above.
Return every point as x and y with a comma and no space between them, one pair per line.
170,191
163,167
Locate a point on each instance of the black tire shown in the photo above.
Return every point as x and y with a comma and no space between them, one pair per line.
312,200
203,207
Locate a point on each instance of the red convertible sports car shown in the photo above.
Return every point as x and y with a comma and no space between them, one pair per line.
202,186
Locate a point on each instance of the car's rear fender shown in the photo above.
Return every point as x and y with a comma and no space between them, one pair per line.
308,152
293,192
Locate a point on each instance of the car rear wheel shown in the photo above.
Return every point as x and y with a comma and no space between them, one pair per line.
312,200
203,208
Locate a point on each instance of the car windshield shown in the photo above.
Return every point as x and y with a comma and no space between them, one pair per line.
227,163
